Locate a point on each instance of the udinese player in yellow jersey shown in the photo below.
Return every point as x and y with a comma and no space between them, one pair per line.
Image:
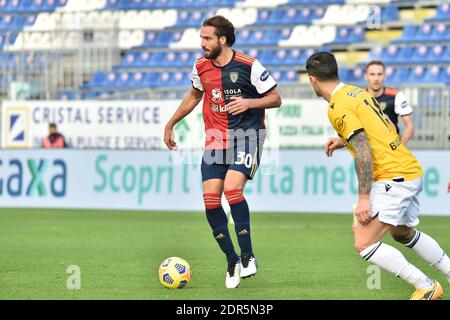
389,179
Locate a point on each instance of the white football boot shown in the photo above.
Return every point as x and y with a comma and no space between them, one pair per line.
249,267
233,275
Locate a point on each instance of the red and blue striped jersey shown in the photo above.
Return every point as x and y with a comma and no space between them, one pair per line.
243,77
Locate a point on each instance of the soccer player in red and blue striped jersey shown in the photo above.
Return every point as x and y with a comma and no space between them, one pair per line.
236,89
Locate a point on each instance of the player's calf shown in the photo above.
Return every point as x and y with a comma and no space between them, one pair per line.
430,251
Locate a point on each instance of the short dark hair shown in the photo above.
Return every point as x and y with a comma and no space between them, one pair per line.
323,66
52,125
375,63
223,28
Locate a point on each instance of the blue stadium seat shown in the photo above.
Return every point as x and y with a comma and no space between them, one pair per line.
376,53
409,34
42,5
128,60
420,55
266,16
163,79
192,18
445,75
389,13
397,75
439,54
10,6
97,80
289,76
66,95
417,74
255,53
6,60
424,33
443,12
441,32
390,54
160,39
296,56
177,59
433,74
137,80
354,76
344,74
296,16
346,35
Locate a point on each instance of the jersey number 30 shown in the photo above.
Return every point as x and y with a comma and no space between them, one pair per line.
245,159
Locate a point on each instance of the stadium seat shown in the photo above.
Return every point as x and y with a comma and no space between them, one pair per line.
437,54
433,74
66,95
354,76
441,32
397,75
424,33
420,55
409,34
346,35
445,76
443,12
417,75
395,54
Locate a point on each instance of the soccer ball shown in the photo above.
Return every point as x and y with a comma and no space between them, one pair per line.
174,273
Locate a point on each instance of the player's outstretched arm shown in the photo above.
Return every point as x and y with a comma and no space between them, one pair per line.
364,170
271,99
190,101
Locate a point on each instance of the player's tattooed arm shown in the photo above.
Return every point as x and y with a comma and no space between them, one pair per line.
363,161
364,170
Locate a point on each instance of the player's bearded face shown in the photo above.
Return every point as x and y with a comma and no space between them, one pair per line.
212,52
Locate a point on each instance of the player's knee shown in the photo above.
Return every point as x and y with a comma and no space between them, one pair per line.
234,196
212,200
403,237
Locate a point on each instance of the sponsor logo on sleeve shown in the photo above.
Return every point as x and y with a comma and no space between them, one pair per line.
265,75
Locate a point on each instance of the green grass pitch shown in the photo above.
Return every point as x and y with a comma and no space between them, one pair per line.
301,256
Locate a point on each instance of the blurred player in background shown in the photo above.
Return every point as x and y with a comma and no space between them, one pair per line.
236,89
392,102
54,138
389,179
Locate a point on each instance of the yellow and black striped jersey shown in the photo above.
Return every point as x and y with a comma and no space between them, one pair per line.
352,110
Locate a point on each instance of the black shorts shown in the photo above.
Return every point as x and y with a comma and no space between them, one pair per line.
244,157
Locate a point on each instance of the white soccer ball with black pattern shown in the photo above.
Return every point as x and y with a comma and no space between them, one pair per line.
174,273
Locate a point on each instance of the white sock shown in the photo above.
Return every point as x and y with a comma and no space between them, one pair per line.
430,251
393,261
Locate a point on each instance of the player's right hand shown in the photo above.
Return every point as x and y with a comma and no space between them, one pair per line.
168,138
362,211
333,144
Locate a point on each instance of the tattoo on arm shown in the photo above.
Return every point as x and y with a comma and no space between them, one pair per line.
363,161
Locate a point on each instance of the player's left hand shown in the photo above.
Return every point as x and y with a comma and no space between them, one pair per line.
448,189
237,105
